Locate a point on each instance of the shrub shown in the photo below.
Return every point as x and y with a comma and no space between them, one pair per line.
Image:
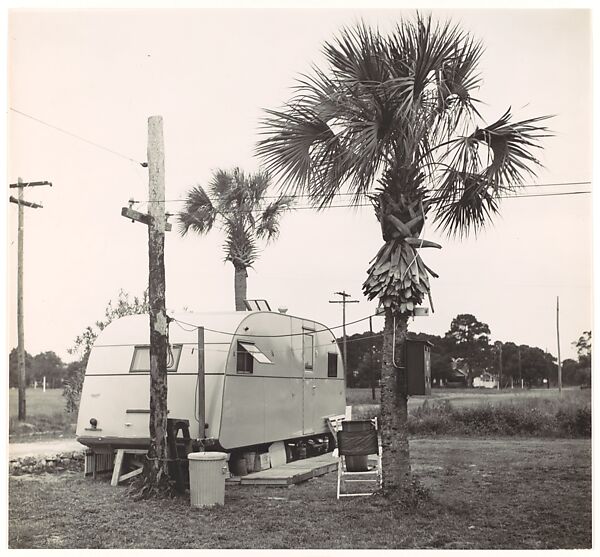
544,418
575,422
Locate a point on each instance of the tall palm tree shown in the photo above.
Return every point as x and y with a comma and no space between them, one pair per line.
238,203
393,120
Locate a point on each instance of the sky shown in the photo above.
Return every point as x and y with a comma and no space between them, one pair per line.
100,74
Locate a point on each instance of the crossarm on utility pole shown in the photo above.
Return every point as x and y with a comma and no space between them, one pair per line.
30,184
25,203
141,217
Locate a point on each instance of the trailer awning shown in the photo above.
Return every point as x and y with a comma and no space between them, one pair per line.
255,352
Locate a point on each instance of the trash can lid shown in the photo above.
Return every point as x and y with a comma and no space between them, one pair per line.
207,456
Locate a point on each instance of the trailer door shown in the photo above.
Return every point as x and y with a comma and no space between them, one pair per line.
310,386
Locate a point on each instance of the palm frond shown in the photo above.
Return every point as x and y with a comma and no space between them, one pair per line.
222,187
268,224
198,213
471,184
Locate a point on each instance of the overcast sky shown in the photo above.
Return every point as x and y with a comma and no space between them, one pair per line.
210,74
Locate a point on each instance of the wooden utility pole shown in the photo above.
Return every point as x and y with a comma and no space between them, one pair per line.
558,344
156,297
344,301
372,374
500,360
22,414
201,384
156,467
519,360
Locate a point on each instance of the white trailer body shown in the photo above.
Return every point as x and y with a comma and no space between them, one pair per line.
268,377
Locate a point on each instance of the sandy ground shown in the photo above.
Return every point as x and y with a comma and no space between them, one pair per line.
43,448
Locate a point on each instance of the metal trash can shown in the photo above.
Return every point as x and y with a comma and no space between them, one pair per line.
208,471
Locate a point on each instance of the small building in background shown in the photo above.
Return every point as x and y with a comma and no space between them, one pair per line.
486,381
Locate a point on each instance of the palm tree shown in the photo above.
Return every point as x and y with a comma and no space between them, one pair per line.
393,120
238,203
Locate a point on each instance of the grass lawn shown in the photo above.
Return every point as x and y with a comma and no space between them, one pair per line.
472,397
45,413
495,493
38,403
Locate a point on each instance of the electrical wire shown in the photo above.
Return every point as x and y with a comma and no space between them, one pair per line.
353,206
301,195
98,145
196,327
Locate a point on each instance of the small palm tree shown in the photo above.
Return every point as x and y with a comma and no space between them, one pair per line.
237,202
393,121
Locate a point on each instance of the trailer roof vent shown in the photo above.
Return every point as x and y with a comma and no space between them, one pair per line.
257,305
282,310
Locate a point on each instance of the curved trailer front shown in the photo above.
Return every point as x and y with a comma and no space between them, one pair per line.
268,377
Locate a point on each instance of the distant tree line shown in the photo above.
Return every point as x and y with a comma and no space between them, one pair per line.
70,376
44,364
465,352
466,346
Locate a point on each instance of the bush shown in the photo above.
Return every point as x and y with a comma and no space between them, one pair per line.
544,418
575,422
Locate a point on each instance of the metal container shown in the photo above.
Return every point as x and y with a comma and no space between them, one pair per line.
207,478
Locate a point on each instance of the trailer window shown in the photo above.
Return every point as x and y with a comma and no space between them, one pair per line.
246,354
141,359
308,346
332,361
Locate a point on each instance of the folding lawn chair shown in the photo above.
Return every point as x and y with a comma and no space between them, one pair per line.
356,441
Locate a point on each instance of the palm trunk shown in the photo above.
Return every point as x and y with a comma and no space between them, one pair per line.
240,287
394,406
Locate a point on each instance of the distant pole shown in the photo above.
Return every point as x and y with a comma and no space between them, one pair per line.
201,384
20,325
22,414
558,344
44,384
344,301
499,350
519,360
372,374
500,356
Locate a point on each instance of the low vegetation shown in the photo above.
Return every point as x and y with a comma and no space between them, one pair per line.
509,493
540,413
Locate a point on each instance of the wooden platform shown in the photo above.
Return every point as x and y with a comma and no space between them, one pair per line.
290,473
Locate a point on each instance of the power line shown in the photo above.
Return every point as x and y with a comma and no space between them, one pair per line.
545,194
78,137
179,322
305,195
352,206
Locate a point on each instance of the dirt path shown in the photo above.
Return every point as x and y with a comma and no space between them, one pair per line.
43,448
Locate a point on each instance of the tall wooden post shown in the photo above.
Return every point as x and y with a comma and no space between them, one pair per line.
520,373
372,374
157,471
201,384
344,301
558,344
22,413
20,326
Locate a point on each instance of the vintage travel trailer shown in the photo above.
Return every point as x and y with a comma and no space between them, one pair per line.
268,377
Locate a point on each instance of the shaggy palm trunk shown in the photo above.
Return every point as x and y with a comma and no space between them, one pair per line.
240,287
394,406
